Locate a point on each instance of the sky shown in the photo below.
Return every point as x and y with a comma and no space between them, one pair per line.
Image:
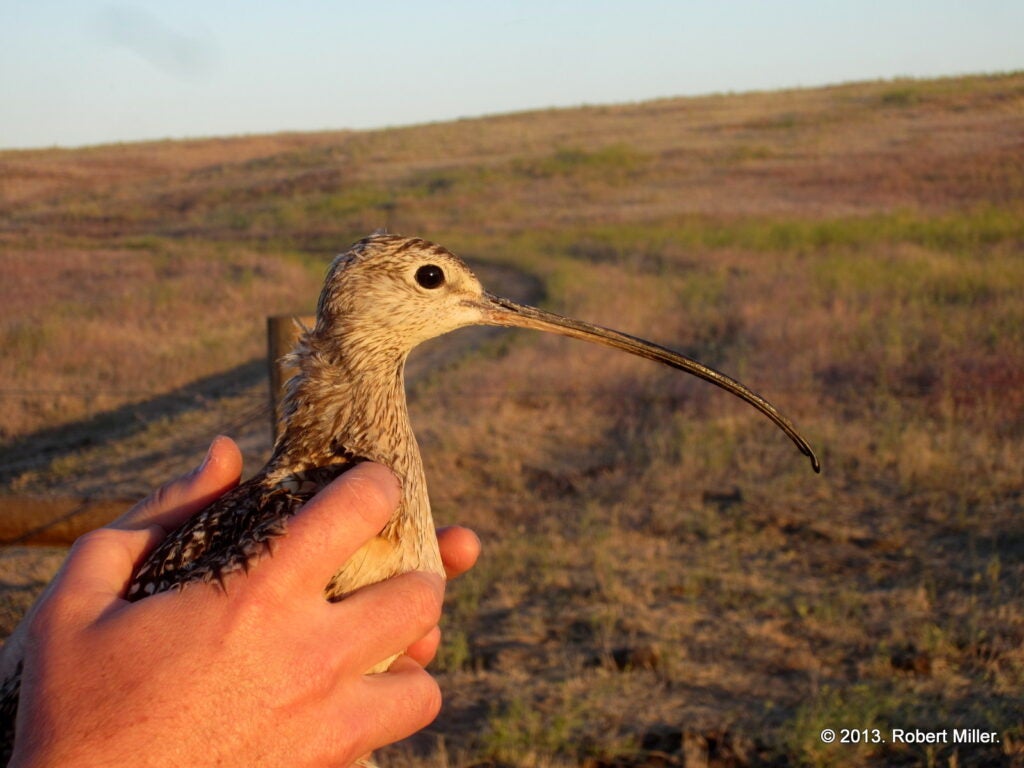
79,72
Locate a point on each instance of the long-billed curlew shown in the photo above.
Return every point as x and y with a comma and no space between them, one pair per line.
381,298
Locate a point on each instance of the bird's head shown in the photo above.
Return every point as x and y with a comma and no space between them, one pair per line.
397,292
388,293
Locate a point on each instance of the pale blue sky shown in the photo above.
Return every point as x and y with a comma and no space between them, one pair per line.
78,72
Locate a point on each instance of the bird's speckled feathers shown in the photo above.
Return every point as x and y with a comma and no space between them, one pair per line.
230,533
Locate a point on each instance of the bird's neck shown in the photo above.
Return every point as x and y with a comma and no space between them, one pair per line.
341,408
344,407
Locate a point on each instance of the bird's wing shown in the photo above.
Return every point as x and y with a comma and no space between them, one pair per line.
231,533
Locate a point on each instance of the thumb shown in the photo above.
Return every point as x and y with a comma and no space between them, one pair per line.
175,501
96,573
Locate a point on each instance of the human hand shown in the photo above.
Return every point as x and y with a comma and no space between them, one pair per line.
268,674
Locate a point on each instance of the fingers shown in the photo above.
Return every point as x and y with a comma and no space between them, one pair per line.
174,502
331,526
388,617
423,650
407,700
460,548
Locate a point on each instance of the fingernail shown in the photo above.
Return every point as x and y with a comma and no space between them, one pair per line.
386,480
209,454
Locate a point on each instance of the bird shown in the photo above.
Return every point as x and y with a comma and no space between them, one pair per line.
346,404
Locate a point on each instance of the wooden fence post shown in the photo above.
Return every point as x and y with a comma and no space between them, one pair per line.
282,333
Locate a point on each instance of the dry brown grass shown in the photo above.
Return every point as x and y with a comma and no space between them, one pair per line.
663,574
95,327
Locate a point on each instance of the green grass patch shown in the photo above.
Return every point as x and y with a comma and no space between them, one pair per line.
905,96
612,162
933,279
518,731
662,242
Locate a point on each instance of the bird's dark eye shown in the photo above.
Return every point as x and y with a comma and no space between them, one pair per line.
430,276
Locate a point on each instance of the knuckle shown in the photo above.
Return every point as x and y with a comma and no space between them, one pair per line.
425,704
163,497
423,596
432,698
417,708
110,544
100,537
241,613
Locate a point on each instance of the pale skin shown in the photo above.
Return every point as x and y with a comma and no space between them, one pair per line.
264,673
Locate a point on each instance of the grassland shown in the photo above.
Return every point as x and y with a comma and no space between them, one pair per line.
664,578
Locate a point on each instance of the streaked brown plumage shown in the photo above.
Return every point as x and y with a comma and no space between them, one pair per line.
381,298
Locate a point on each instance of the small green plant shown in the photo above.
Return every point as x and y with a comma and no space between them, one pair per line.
454,654
520,732
906,96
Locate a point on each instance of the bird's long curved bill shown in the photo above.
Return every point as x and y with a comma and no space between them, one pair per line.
499,311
